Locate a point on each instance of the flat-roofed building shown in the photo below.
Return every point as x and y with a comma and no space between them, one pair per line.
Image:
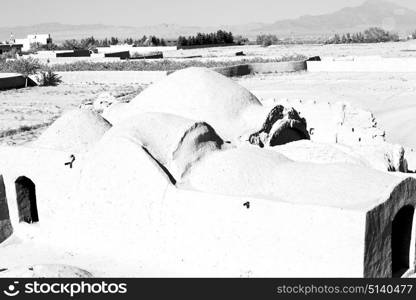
9,47
40,39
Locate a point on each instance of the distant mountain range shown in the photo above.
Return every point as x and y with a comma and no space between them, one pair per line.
379,13
383,14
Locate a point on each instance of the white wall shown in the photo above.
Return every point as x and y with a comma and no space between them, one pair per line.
363,65
33,38
218,236
24,42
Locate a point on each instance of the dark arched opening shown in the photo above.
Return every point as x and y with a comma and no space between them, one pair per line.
287,135
26,200
401,236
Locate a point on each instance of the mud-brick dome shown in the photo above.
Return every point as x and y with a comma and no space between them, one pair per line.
75,131
200,94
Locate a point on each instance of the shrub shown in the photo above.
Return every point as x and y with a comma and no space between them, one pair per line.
214,38
9,54
370,35
26,66
49,78
91,42
35,47
377,35
163,64
240,40
267,40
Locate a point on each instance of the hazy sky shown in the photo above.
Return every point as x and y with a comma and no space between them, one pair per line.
150,12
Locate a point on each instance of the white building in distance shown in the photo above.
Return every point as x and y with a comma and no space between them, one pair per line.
41,39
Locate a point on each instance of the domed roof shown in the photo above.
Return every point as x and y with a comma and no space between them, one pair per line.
75,131
202,95
116,168
173,141
116,112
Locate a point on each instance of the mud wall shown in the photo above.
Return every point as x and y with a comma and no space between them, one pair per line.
378,250
238,70
247,69
5,225
12,82
278,67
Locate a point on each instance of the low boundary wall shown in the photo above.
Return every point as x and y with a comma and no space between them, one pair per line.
14,81
277,67
237,70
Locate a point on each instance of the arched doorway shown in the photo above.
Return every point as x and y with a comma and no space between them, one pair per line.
26,200
401,236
